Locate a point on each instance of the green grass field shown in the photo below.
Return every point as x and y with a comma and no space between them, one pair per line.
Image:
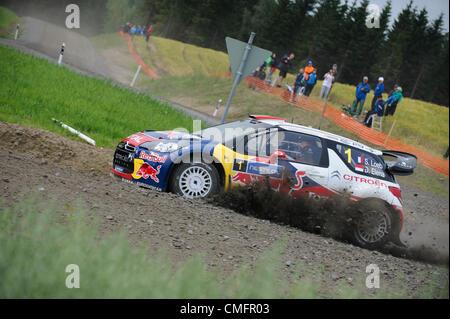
34,91
8,21
40,239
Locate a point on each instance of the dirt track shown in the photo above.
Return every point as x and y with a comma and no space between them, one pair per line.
66,171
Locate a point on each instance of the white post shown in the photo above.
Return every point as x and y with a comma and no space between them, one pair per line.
135,76
17,32
74,131
61,53
217,107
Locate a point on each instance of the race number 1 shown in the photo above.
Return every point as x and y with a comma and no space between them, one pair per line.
240,165
349,154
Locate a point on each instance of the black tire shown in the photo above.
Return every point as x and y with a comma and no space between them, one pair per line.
373,223
204,176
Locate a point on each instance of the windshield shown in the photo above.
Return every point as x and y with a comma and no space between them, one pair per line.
225,133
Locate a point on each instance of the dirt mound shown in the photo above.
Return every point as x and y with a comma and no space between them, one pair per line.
51,147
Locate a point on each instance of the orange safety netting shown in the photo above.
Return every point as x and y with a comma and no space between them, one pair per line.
136,56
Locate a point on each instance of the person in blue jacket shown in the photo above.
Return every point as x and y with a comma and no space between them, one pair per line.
378,91
378,110
361,92
311,82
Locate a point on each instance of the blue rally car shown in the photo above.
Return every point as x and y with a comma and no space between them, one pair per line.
297,160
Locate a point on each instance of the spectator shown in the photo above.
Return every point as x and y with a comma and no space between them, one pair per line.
310,82
271,63
377,110
299,83
378,91
309,70
133,30
126,28
328,79
361,92
392,101
260,72
334,69
144,31
148,33
284,66
139,30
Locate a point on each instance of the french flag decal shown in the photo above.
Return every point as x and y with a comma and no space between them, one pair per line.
358,166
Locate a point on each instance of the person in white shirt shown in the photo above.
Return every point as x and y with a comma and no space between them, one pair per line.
326,84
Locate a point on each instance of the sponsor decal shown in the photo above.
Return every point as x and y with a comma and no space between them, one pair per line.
299,184
119,168
136,138
272,171
364,180
136,183
146,171
152,157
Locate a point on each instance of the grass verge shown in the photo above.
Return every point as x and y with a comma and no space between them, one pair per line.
33,91
8,22
39,240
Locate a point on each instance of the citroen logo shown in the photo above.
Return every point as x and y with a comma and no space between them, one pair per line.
336,174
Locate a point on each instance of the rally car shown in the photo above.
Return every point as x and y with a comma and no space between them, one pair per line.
295,159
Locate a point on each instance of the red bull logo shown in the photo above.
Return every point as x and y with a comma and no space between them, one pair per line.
152,157
146,171
275,184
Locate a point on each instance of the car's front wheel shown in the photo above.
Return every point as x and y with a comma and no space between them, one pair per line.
195,180
373,226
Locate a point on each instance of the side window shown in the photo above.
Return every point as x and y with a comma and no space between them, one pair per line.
256,145
362,162
303,148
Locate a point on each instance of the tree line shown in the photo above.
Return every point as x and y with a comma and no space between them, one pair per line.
411,52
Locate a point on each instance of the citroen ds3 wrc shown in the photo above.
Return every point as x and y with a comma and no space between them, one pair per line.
295,159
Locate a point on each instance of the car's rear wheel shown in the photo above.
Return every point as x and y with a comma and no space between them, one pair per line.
373,225
195,180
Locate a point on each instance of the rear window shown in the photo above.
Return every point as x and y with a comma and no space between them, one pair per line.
363,162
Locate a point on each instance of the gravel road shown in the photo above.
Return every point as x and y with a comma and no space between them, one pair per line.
68,171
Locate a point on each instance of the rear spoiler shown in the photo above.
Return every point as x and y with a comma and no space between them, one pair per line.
403,163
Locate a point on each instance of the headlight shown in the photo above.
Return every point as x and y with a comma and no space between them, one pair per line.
166,147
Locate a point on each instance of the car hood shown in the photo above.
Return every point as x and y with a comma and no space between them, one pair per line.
150,136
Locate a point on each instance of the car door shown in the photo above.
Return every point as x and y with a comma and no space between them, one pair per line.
305,162
254,162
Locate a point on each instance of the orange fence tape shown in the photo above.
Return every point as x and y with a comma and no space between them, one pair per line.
136,56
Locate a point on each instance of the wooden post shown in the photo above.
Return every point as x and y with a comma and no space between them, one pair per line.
389,134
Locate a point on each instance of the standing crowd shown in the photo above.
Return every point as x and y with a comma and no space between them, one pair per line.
306,79
137,30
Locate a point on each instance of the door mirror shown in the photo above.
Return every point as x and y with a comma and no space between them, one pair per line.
276,155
